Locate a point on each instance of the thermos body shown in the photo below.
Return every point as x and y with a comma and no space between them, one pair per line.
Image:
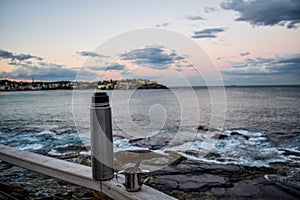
101,137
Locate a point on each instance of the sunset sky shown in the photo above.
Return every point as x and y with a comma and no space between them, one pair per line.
248,42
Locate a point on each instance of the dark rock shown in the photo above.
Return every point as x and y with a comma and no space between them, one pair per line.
154,143
199,180
83,193
290,183
218,191
289,152
259,180
206,128
135,140
272,192
85,160
236,133
202,128
178,161
25,184
242,189
75,148
12,189
221,136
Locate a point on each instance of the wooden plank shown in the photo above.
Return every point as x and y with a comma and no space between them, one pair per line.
76,174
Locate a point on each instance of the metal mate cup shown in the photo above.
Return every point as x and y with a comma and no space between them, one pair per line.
133,178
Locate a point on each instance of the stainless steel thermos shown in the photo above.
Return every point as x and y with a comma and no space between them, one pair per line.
101,137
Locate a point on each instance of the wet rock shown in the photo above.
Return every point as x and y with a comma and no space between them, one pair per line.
289,152
74,148
237,133
290,182
179,160
221,136
243,189
218,191
199,180
12,189
202,128
85,160
155,142
135,140
273,192
206,128
25,184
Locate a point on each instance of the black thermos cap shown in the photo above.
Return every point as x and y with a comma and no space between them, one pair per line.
100,97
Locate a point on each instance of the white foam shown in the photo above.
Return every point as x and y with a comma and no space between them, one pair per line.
46,132
258,139
85,153
54,152
247,133
295,150
122,144
255,151
31,147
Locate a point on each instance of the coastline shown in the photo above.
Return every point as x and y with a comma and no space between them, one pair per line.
124,84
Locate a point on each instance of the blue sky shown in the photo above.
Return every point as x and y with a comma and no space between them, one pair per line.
249,42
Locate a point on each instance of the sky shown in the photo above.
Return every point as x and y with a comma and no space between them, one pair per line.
177,43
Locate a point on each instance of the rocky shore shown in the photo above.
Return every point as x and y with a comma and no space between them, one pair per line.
199,180
183,179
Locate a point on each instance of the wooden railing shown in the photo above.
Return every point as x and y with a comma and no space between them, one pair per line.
76,174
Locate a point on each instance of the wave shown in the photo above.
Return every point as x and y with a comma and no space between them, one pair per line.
39,141
31,147
235,146
123,144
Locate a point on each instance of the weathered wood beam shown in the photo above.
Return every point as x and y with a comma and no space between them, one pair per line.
76,174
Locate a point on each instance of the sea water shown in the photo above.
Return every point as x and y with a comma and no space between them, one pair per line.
261,124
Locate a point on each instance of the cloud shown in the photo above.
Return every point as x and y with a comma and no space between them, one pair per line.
194,17
209,9
153,57
41,71
285,64
90,54
111,67
266,12
132,75
25,66
95,68
244,54
13,56
239,64
208,33
115,67
47,64
165,24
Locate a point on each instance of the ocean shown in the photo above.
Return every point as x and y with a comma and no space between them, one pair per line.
250,126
